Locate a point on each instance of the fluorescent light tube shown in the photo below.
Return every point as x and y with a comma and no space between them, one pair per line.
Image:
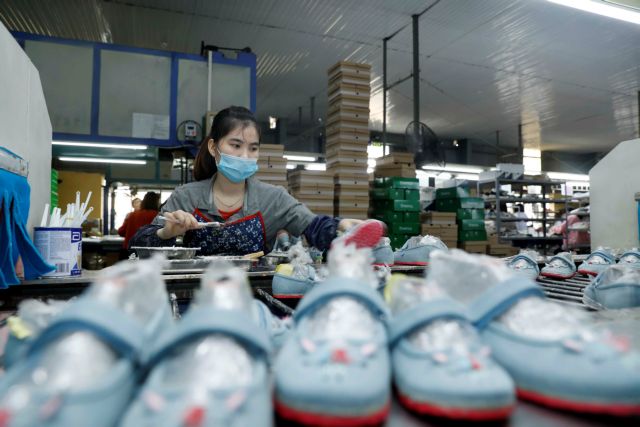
601,8
568,176
99,145
103,160
300,158
453,168
316,167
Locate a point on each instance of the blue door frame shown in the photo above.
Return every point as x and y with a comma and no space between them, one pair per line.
243,60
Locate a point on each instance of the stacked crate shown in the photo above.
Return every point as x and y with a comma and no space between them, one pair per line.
347,130
313,188
396,164
442,225
501,250
469,211
396,202
272,166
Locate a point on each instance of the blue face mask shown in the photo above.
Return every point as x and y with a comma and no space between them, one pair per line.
236,169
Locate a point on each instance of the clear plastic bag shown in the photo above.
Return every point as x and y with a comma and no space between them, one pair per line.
301,262
465,277
36,315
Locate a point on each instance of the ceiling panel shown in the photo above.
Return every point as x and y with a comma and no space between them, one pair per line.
486,65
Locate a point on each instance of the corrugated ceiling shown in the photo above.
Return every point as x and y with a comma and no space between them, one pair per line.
571,78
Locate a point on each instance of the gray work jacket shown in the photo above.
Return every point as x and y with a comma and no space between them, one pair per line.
280,211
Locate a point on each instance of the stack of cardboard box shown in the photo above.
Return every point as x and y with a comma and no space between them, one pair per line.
396,201
442,225
272,166
313,188
469,213
347,130
396,164
500,250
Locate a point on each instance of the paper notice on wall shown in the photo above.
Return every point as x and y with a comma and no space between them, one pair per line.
154,126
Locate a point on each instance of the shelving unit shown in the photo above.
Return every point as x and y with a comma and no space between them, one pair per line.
581,202
525,198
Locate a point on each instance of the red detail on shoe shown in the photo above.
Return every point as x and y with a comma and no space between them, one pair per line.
620,343
455,413
382,265
475,363
366,234
588,273
194,416
617,409
324,420
288,296
420,263
5,417
340,355
557,276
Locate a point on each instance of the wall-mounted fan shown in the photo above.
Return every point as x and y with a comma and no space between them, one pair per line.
426,145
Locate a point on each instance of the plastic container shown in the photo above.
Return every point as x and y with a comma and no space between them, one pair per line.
62,247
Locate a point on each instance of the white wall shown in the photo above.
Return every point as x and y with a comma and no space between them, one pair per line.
614,182
25,127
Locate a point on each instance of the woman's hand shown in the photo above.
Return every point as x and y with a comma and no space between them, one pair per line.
176,224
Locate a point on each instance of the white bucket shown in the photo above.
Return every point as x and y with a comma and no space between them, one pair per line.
61,247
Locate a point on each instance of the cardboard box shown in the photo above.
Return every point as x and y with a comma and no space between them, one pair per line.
355,68
301,176
350,78
388,216
271,150
340,88
351,179
387,193
397,205
346,168
350,101
397,182
311,189
411,228
361,124
337,143
439,217
479,247
449,233
452,205
346,112
451,193
351,190
472,235
394,171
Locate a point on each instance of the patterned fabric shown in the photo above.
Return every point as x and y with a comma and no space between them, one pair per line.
240,237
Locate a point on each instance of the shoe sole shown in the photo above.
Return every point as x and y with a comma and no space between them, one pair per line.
556,276
366,235
419,263
382,265
588,273
456,413
288,296
620,409
323,420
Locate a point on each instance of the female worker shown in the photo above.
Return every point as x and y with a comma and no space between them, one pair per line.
252,211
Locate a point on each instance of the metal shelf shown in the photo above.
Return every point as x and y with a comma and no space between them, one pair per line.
524,219
522,182
524,200
533,239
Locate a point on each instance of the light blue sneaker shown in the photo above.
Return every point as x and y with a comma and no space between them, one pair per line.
294,282
440,366
596,262
382,253
417,250
211,369
553,358
525,265
87,360
616,287
560,266
630,258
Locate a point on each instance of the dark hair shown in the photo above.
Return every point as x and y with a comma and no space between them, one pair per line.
224,122
151,201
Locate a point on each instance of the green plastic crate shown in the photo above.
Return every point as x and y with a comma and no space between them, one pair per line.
412,194
470,214
411,217
397,240
452,205
387,194
471,235
451,193
410,228
389,216
398,182
470,224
